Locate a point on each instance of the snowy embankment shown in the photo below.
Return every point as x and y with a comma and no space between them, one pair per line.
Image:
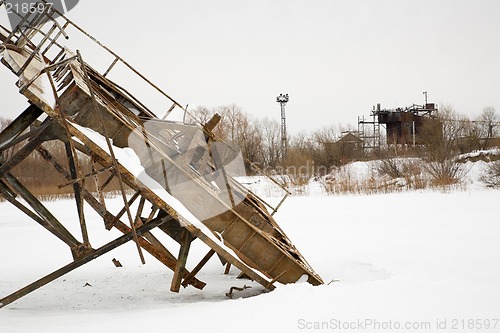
425,259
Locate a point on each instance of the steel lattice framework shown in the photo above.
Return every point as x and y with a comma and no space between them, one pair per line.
184,188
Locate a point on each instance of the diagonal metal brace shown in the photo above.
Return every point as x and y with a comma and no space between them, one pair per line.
80,262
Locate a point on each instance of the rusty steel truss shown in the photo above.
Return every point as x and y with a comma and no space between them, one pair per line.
185,189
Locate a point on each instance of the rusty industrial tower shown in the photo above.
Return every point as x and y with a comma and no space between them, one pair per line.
403,125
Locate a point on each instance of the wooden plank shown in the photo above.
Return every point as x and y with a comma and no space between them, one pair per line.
98,186
77,189
219,166
93,174
137,219
124,209
198,267
110,178
230,258
181,262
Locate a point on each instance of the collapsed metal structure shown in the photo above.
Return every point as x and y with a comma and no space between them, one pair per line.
178,168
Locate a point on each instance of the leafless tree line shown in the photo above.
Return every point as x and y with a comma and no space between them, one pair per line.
316,154
41,178
309,155
260,141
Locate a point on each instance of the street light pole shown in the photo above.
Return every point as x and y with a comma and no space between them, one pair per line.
282,100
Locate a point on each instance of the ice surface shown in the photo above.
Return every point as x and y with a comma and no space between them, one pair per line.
417,257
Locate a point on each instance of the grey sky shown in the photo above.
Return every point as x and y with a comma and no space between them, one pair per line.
335,59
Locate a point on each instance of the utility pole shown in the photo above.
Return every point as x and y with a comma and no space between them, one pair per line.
413,130
283,99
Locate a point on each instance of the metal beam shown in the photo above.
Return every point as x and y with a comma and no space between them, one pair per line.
75,264
25,151
111,151
20,124
181,261
49,221
77,189
201,264
6,193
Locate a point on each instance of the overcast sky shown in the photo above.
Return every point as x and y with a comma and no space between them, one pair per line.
336,59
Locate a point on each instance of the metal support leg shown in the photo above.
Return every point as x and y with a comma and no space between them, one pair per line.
75,264
198,267
49,221
181,262
77,188
20,124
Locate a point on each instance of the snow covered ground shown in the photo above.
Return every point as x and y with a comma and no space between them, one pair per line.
413,261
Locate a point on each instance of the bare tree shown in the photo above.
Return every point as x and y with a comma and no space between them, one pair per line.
271,142
3,124
299,161
324,153
235,127
489,121
492,176
202,114
442,138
